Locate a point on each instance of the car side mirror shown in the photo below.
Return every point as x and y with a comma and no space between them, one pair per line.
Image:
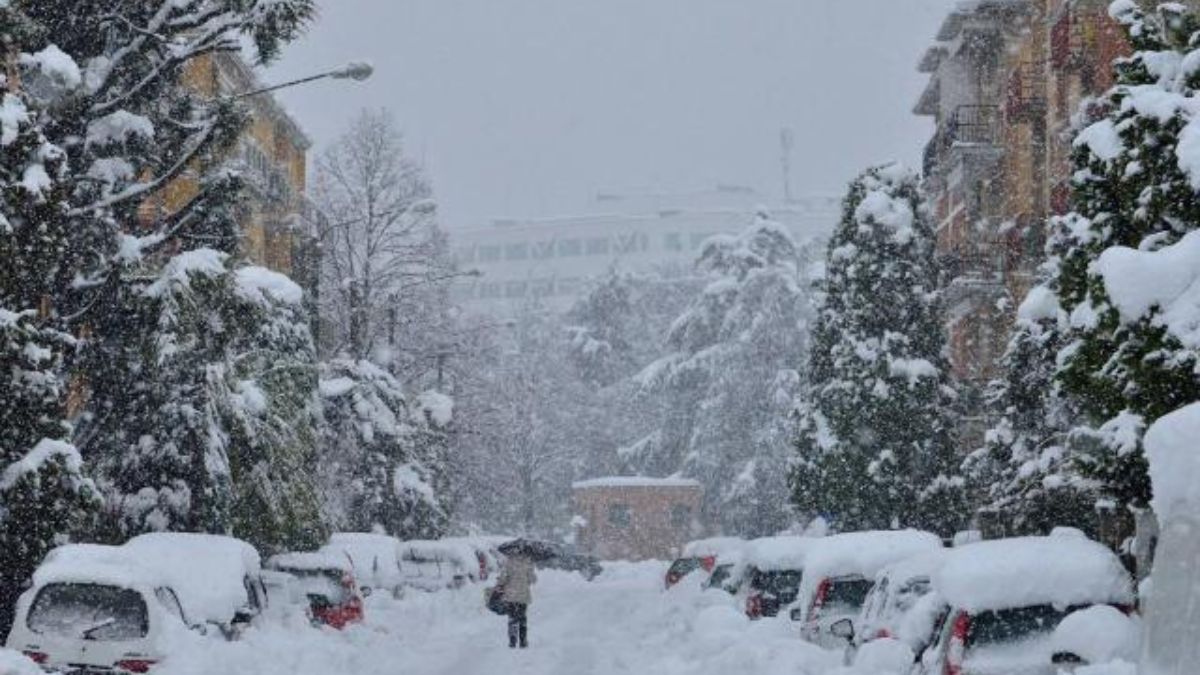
366,591
797,614
843,629
242,617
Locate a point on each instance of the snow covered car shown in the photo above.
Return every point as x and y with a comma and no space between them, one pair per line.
1002,600
703,555
894,607
839,572
568,559
113,608
219,579
374,558
95,608
327,583
774,572
435,565
486,555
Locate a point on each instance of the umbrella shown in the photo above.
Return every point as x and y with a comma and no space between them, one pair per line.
529,548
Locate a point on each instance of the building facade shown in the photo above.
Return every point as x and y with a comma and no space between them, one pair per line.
628,518
1006,81
272,157
552,259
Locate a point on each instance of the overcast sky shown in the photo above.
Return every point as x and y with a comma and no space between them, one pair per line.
531,107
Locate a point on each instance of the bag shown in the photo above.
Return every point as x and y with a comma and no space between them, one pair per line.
495,600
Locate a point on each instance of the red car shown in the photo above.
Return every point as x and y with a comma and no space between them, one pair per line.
334,598
685,566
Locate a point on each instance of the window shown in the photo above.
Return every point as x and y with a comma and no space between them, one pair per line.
619,515
543,250
466,254
568,286
681,515
516,251
92,611
489,253
627,243
490,290
598,246
673,241
515,289
568,247
698,238
542,287
167,598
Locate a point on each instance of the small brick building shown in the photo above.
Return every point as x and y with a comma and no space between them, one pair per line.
634,518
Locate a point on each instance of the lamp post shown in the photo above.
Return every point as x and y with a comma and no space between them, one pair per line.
355,70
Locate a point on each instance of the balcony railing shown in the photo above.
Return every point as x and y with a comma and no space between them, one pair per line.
975,124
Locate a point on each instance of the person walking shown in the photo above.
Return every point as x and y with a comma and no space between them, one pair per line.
516,579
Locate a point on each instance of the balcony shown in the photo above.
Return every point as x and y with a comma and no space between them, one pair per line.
1026,96
975,125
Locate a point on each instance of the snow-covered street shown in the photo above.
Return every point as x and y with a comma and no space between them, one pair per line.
623,622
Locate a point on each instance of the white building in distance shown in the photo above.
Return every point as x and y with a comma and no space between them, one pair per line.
552,259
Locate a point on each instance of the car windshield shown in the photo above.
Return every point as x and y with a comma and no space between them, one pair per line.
89,611
782,584
847,595
1014,625
684,566
325,583
720,575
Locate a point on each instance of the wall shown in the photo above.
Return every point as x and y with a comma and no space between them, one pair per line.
651,532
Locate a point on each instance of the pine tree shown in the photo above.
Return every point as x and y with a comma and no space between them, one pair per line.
875,443
384,464
1023,479
45,494
1128,357
732,356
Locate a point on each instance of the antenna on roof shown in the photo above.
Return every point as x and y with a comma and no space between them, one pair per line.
787,141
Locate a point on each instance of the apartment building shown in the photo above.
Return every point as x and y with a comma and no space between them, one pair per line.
552,259
272,157
1006,79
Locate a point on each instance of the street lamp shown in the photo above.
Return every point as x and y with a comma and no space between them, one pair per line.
355,70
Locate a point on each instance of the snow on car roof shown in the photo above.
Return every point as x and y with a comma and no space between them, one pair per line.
1024,571
865,553
920,565
206,571
714,546
635,481
311,561
771,554
95,563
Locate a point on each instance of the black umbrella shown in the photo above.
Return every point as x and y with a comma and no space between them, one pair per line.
529,548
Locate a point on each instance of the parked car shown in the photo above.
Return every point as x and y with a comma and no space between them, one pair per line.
435,565
96,607
894,607
565,558
222,585
1002,600
486,555
774,572
112,608
701,555
327,584
839,572
374,558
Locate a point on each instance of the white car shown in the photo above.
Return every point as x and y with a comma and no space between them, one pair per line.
894,607
839,573
1001,601
96,609
430,565
375,559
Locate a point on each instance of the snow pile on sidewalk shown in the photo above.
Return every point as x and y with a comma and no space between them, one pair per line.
623,623
1174,462
16,663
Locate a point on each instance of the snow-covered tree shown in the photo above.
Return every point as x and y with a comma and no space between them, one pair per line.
385,262
875,442
384,463
729,375
1124,260
1023,480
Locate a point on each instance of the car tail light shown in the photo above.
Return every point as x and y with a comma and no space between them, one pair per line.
708,563
39,658
956,651
135,665
819,598
754,608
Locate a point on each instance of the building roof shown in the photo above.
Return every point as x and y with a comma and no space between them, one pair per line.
635,482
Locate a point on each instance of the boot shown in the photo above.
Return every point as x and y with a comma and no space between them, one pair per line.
512,636
524,637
